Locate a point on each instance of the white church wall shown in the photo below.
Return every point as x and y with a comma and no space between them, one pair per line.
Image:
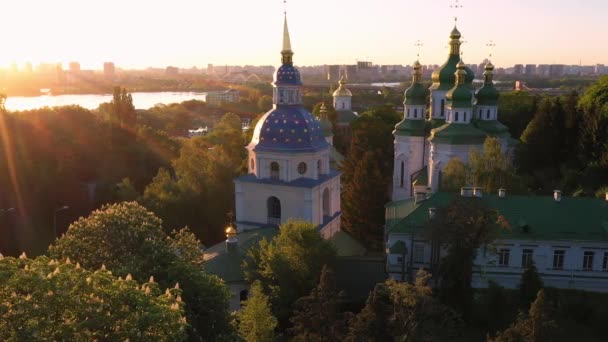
408,150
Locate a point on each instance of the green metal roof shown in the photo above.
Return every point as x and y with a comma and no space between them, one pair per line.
416,95
346,116
457,134
434,123
397,248
227,265
493,128
580,218
409,127
422,178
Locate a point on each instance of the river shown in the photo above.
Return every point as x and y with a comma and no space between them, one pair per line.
92,101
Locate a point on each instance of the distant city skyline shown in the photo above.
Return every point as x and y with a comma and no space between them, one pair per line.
187,33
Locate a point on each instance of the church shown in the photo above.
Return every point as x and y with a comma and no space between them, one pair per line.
459,121
566,238
289,171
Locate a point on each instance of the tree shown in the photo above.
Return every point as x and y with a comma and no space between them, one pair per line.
454,176
47,299
256,322
460,229
537,326
128,239
288,267
405,312
317,317
125,191
363,202
529,286
492,168
122,109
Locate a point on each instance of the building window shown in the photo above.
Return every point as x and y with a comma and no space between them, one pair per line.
274,170
526,258
281,96
480,113
456,116
605,263
503,256
588,261
302,168
465,116
415,113
408,112
343,104
558,259
442,107
488,114
400,260
401,180
273,206
419,253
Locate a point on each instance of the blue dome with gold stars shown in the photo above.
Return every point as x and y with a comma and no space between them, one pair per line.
287,74
288,129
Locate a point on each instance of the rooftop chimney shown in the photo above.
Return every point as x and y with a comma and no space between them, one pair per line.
466,191
477,192
557,195
432,211
502,193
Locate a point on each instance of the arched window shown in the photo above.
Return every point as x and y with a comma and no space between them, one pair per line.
456,116
326,204
281,96
274,170
488,114
402,175
343,105
319,167
302,168
274,210
442,107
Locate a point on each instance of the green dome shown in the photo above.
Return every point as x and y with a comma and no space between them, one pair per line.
416,94
412,128
460,95
443,77
487,95
457,134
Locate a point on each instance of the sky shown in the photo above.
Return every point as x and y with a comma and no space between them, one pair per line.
186,33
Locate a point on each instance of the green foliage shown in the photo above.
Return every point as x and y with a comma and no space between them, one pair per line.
46,299
492,168
125,191
122,111
288,267
317,317
366,176
537,326
256,322
454,176
405,312
185,244
128,239
516,110
461,228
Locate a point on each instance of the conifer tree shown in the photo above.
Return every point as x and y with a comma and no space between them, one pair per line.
317,317
256,322
529,286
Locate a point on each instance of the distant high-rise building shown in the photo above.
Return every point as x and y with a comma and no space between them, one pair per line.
108,70
530,69
543,70
210,70
518,69
171,70
333,72
74,67
600,69
556,70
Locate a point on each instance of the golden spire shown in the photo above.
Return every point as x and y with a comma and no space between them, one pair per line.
460,72
286,52
417,72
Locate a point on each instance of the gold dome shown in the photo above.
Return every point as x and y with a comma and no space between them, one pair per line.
230,231
342,90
